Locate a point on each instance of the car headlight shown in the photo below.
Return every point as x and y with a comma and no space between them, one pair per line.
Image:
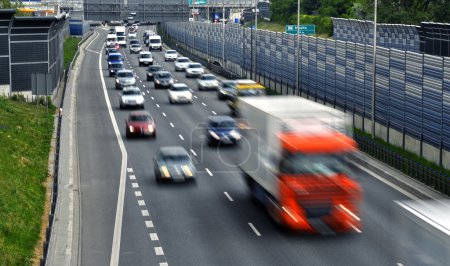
187,171
235,134
117,81
213,134
171,81
150,128
157,81
165,171
133,80
131,128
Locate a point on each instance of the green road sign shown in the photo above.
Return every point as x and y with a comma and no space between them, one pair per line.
304,29
196,2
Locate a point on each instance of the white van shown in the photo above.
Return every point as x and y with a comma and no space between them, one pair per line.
111,39
154,42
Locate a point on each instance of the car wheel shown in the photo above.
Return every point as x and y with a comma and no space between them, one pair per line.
121,106
170,101
127,134
148,79
142,107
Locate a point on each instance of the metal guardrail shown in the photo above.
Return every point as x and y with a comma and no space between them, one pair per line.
54,197
437,180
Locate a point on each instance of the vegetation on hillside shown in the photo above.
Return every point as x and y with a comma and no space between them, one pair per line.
7,4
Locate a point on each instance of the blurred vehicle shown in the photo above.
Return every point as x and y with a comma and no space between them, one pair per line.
145,58
140,123
154,42
163,79
151,70
173,163
207,82
114,67
111,39
125,78
179,93
131,96
194,70
170,55
243,88
226,89
135,48
295,164
222,130
181,63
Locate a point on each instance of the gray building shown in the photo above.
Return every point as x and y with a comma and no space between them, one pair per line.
30,45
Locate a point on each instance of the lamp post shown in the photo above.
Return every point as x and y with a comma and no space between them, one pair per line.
374,61
223,33
297,76
256,31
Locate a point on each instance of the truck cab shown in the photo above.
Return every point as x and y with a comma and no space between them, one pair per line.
154,42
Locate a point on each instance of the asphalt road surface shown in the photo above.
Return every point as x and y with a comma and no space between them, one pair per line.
210,222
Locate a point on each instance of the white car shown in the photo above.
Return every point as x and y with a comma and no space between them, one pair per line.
135,48
181,63
194,70
131,97
145,58
132,34
135,26
179,92
170,55
207,82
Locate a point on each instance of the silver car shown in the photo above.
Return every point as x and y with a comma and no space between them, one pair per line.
131,97
124,78
135,48
207,82
181,63
194,70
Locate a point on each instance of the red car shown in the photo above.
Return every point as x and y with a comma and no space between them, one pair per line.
140,123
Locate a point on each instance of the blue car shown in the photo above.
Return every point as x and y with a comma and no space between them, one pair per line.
114,58
222,130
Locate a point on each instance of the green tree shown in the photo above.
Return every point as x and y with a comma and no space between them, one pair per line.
7,4
282,10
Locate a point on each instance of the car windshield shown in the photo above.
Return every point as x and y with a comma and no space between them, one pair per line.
112,50
209,77
171,52
120,38
318,164
120,33
195,66
146,56
180,88
135,45
164,75
155,40
155,68
117,66
223,124
134,42
112,39
140,118
115,58
183,60
125,75
131,92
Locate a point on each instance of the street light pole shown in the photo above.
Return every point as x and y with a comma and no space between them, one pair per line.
374,61
223,33
297,78
256,31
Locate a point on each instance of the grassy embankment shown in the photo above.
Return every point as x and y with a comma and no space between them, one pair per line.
24,150
70,48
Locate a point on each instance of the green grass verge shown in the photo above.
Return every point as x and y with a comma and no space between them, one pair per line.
70,48
24,150
404,153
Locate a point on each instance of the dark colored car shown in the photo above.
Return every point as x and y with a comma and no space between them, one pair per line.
222,130
163,79
173,163
114,67
111,50
226,89
140,123
114,58
151,70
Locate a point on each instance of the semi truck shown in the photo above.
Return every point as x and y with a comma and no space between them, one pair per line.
121,35
295,164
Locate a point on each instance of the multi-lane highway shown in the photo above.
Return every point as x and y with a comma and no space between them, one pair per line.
210,222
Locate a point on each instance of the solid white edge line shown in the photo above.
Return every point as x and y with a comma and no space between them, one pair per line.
209,172
193,152
254,229
399,189
228,196
115,250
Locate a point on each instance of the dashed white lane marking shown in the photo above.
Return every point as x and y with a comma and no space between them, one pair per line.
130,170
157,105
228,196
149,224
213,112
143,94
138,194
254,229
145,213
191,90
204,104
134,185
163,264
132,177
164,114
399,264
147,90
159,251
144,86
141,202
154,236
181,137
209,172
195,97
171,124
152,98
193,152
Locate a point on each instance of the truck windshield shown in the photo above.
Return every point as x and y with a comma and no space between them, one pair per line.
318,164
155,41
251,92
